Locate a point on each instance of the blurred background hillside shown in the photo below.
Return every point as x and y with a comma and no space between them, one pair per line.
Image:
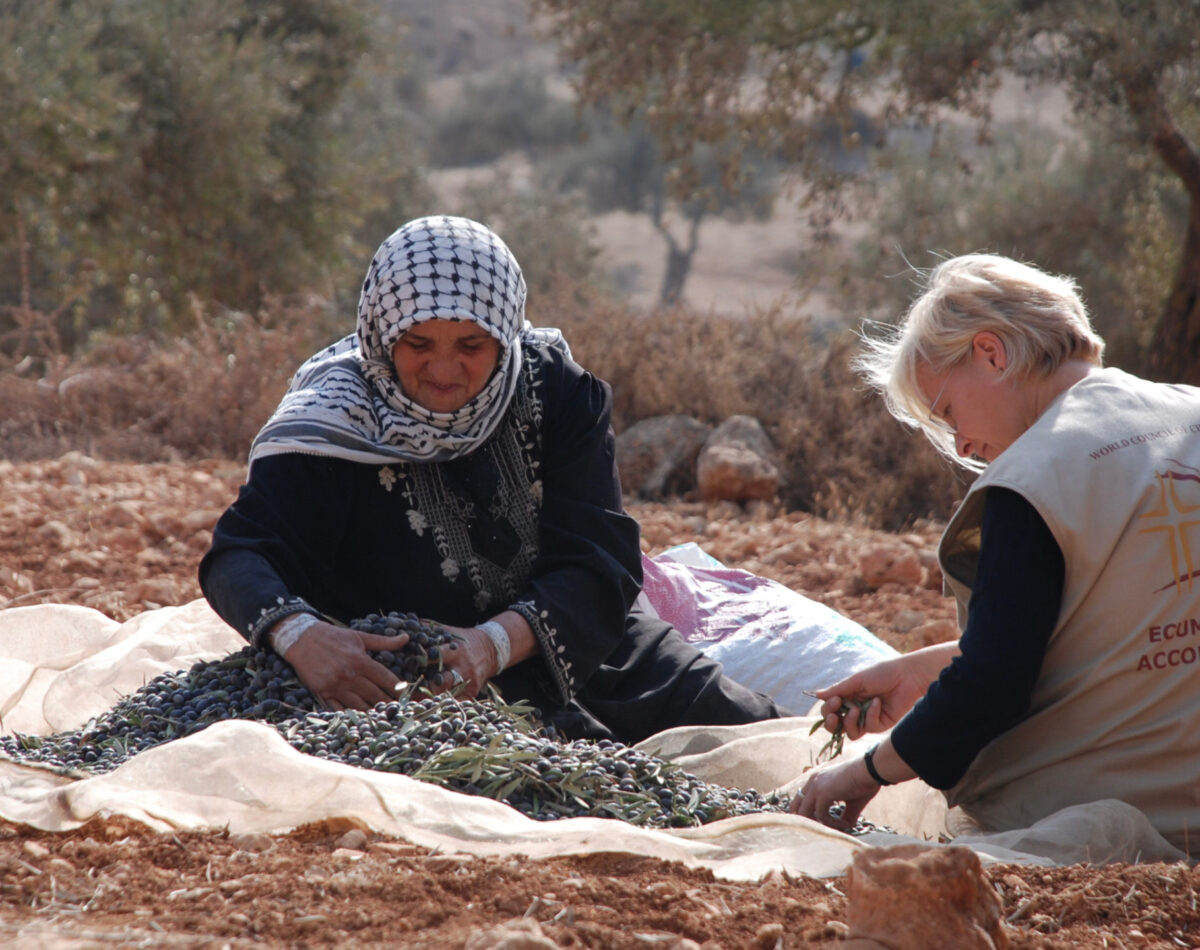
711,199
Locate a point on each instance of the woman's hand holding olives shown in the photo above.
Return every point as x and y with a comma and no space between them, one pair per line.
847,782
333,662
473,656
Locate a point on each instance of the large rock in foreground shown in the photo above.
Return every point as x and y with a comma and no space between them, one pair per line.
917,897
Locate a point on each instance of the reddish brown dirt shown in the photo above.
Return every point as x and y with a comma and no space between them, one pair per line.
122,538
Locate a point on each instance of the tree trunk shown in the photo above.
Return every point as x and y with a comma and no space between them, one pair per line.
1175,348
1174,354
679,262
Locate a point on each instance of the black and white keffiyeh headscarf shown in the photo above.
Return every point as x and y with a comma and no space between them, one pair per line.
346,401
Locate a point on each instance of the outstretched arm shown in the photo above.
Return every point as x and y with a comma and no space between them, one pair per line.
891,686
985,681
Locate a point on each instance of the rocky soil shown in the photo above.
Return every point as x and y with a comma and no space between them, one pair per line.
124,538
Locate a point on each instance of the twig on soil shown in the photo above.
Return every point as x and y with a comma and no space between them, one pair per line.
16,601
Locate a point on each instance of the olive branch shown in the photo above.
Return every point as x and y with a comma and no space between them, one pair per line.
833,748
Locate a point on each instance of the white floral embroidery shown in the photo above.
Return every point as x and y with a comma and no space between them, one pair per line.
435,509
387,478
560,665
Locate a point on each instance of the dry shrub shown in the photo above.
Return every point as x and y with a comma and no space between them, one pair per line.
841,453
844,456
207,394
133,398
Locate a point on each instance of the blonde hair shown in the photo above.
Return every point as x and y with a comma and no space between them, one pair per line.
1040,318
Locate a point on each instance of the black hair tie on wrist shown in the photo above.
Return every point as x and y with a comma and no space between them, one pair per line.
869,758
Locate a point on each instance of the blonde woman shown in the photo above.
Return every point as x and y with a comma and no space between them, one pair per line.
1074,559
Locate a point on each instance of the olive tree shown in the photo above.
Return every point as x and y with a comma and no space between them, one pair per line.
56,141
153,151
621,167
772,72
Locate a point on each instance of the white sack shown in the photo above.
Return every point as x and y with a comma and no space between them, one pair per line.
245,777
775,755
766,635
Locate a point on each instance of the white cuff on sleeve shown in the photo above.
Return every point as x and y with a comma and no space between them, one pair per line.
284,636
499,637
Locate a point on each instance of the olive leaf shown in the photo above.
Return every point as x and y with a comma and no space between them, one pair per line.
833,748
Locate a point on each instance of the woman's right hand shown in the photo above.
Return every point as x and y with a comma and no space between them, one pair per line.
893,687
334,664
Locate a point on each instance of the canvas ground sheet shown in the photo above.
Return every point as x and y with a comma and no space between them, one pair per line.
61,665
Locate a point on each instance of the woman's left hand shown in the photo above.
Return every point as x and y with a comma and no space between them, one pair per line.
471,656
848,782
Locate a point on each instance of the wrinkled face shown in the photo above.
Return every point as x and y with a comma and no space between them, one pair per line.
985,411
444,364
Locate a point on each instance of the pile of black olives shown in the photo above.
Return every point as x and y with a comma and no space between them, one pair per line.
479,747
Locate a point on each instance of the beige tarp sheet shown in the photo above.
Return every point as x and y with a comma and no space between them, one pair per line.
60,665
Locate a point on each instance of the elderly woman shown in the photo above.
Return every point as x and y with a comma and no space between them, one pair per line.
1071,560
452,461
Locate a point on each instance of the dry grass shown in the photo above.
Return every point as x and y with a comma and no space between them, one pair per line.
205,396
841,453
132,398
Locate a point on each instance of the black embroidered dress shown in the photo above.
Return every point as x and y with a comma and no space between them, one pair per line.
531,521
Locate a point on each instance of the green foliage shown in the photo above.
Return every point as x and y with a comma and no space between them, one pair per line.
620,165
762,73
772,72
510,110
1072,205
56,144
171,148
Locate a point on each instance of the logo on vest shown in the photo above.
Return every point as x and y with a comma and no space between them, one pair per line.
1175,516
1174,653
1168,659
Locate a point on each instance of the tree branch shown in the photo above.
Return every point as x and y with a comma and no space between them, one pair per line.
1150,112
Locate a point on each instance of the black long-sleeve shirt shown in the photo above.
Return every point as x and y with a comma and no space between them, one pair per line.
532,521
1012,612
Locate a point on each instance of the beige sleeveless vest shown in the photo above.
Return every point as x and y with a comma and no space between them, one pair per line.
1113,466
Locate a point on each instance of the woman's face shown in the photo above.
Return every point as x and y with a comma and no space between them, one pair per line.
444,364
986,412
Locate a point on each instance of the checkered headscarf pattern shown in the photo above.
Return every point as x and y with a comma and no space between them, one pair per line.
439,268
346,400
